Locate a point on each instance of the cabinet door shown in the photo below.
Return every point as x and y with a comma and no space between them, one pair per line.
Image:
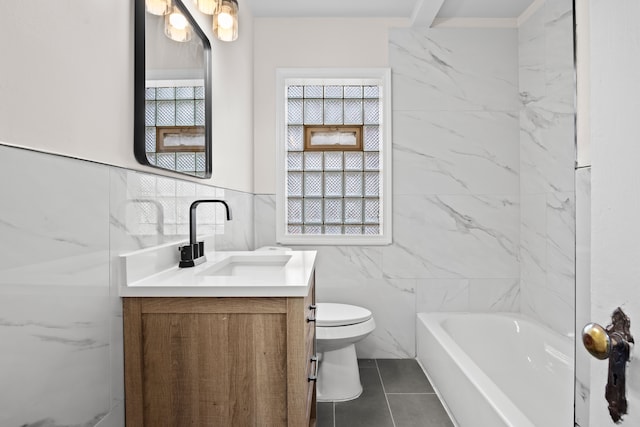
206,368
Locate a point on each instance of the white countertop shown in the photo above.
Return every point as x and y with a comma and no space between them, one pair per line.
293,279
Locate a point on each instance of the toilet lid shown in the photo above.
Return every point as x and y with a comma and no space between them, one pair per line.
330,314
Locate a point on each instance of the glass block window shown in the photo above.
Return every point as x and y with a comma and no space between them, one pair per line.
334,196
169,106
333,192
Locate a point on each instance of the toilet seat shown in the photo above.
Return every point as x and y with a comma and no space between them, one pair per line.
332,314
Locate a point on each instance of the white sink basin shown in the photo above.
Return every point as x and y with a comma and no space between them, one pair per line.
154,272
248,265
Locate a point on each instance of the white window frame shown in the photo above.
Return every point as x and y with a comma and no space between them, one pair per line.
333,76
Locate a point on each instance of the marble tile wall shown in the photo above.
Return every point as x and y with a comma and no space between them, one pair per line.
583,293
547,160
63,224
456,203
55,309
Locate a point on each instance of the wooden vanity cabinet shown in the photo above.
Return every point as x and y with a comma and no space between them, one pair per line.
228,362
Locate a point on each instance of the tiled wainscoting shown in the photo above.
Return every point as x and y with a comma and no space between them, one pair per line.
63,225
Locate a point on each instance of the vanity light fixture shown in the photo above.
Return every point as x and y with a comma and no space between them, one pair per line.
208,7
225,21
158,7
176,26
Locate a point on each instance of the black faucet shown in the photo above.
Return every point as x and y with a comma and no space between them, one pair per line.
193,253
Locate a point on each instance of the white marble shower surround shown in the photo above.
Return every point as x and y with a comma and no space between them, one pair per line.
459,69
547,160
456,170
64,222
455,152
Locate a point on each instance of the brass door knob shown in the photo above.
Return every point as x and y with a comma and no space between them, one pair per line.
596,340
613,343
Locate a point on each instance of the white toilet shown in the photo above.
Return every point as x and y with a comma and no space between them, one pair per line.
338,328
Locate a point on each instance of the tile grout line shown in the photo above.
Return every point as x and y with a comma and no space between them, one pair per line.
333,408
385,393
429,394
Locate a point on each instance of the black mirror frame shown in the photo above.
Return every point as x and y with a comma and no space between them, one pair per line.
139,147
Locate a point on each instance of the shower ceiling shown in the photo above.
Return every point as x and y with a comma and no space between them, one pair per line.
386,8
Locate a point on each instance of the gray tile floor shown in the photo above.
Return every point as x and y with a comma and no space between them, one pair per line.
396,393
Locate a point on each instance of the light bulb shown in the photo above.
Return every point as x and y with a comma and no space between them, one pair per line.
158,7
225,20
178,20
176,26
207,7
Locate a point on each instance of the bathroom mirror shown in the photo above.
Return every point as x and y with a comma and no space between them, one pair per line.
172,100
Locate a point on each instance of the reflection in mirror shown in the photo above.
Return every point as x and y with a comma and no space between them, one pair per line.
172,90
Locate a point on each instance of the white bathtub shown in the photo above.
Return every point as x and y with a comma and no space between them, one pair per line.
494,370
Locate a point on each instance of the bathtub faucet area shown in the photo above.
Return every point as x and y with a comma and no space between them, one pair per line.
193,253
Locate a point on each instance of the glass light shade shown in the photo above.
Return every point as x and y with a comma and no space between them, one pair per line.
158,7
176,26
208,7
225,21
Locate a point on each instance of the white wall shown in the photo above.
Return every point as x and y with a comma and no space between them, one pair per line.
615,184
66,86
286,42
233,107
